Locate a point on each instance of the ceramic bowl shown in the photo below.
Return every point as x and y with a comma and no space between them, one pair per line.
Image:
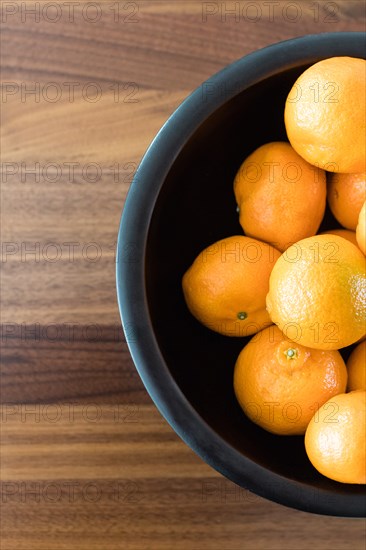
181,200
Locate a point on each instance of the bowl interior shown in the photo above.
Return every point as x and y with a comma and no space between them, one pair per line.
195,208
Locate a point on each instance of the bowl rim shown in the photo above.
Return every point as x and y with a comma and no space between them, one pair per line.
130,272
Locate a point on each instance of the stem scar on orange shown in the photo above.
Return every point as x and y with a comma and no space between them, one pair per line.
280,384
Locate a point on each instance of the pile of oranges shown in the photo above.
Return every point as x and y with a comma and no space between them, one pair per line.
300,294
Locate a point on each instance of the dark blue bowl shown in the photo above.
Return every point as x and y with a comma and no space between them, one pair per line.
181,200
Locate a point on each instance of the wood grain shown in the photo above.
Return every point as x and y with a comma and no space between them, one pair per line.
87,462
113,477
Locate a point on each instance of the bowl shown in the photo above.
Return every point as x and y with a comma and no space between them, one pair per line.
180,201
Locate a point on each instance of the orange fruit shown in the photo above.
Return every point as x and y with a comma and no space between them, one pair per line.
281,197
317,292
345,233
356,367
346,195
225,288
325,114
335,439
280,384
361,229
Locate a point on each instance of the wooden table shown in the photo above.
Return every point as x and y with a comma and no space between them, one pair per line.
87,461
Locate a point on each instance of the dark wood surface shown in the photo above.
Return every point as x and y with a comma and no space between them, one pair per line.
87,461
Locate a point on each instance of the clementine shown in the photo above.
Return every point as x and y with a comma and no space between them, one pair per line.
335,439
280,384
317,292
281,197
346,195
225,288
325,114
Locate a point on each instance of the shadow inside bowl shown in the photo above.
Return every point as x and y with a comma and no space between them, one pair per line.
195,208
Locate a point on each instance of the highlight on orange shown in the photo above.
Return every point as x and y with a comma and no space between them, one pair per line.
325,114
317,292
361,229
335,439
